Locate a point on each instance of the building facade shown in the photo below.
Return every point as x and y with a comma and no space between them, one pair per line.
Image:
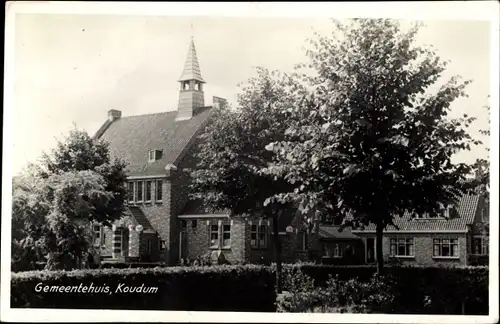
161,225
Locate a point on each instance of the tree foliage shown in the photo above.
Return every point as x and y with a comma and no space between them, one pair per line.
232,153
54,203
377,140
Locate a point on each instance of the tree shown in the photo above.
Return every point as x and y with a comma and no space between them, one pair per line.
232,152
377,141
55,203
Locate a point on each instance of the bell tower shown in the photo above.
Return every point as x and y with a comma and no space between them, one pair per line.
191,96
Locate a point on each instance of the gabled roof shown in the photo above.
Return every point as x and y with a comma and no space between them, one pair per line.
132,137
466,211
191,67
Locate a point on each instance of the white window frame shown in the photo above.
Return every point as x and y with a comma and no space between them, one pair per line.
163,245
484,245
137,191
213,228
406,243
160,188
146,191
133,191
440,242
224,231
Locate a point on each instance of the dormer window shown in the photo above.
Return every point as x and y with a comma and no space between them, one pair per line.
154,155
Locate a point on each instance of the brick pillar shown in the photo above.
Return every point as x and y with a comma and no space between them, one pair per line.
130,240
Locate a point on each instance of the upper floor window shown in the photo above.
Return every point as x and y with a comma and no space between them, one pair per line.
258,236
401,247
445,248
139,191
214,235
130,191
155,155
226,236
159,192
148,191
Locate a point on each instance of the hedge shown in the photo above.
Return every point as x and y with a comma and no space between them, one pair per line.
419,290
248,288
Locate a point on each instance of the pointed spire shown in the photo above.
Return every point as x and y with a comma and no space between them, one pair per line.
191,67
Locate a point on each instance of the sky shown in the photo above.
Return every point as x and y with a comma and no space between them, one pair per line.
71,69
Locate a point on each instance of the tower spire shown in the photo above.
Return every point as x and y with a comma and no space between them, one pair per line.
191,67
191,95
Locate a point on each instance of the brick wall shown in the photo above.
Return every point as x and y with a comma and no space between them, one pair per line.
423,247
197,239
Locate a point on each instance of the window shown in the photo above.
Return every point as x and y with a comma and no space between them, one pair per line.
154,155
194,223
159,192
183,224
226,236
402,247
302,240
130,191
163,245
97,231
214,236
258,236
337,251
480,245
148,190
445,248
139,191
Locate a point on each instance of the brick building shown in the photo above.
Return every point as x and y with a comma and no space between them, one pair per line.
161,225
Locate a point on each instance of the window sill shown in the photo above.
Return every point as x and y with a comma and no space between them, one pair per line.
332,257
403,256
217,248
446,257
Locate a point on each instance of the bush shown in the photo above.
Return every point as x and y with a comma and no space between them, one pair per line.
413,290
247,288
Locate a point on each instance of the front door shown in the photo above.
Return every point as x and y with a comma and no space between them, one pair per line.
370,250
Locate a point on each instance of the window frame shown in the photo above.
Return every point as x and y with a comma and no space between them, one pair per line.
152,155
337,251
158,189
407,243
223,239
148,191
163,245
440,242
97,239
484,247
131,191
213,229
259,230
141,186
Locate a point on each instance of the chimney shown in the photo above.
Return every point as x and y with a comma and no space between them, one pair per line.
219,102
114,115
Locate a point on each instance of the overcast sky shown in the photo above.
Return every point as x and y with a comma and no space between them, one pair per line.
74,68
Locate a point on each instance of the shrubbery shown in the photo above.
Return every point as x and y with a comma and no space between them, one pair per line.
405,290
217,288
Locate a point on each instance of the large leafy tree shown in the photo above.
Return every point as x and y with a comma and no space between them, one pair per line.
377,141
54,203
232,152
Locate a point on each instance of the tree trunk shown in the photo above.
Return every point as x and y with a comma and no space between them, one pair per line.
378,248
277,251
